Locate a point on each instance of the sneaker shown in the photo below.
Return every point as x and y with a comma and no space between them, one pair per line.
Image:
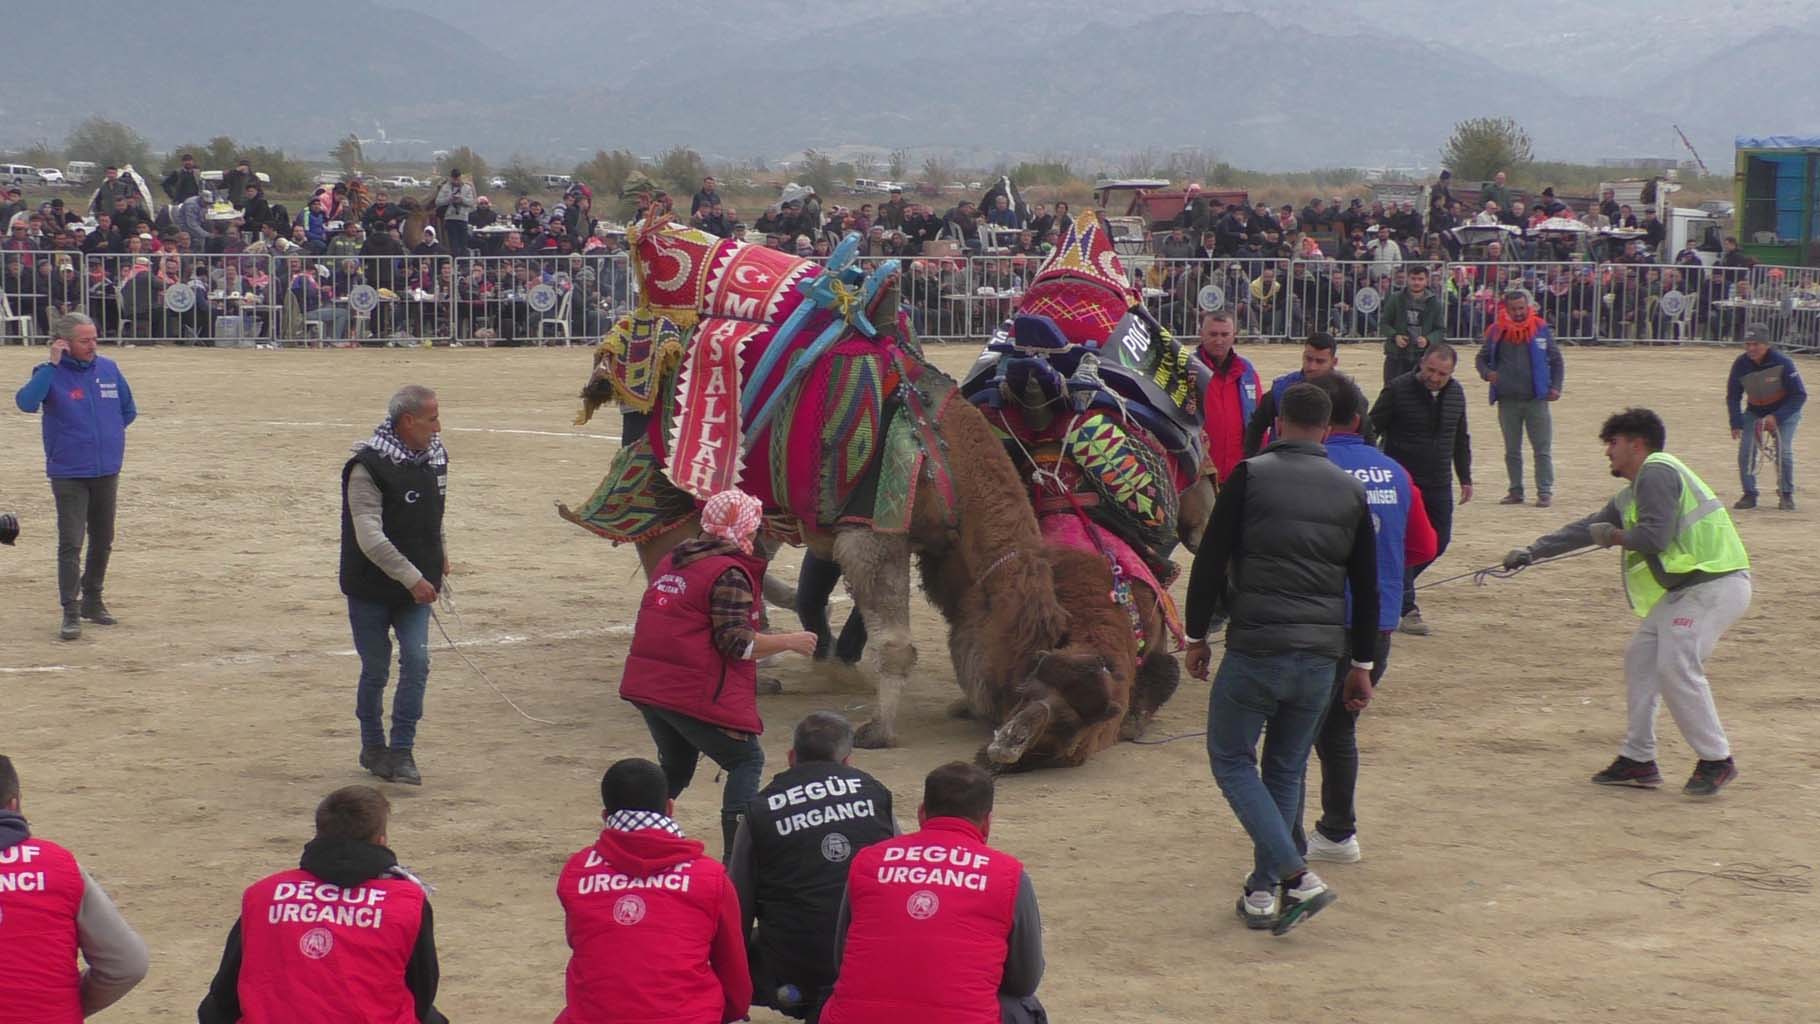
72,625
404,769
1258,910
96,612
1413,625
1710,777
1513,498
1786,503
1544,500
1625,772
1344,851
375,759
1309,897
1748,501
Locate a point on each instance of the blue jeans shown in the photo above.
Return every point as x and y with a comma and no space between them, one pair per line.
1785,453
374,624
682,740
1280,696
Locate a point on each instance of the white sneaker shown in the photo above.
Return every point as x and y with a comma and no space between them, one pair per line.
1309,897
1258,910
1324,849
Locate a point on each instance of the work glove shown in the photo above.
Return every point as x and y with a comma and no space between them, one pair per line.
1603,534
9,528
1517,558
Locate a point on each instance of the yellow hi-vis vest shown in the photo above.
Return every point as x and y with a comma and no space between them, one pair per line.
1705,539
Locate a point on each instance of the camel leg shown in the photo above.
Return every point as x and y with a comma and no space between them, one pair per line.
877,567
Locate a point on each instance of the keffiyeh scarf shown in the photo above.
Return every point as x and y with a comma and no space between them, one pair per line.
634,821
733,516
385,441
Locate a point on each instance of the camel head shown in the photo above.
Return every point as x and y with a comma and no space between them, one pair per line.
1065,692
1196,506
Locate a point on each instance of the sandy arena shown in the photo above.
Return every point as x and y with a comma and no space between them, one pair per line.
180,753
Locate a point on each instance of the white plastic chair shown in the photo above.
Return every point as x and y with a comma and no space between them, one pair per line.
8,318
561,320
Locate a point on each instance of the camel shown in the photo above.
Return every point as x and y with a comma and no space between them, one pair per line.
959,517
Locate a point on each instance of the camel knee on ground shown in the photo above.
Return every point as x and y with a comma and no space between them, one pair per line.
896,657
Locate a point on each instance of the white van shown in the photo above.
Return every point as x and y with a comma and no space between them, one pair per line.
80,171
20,173
554,182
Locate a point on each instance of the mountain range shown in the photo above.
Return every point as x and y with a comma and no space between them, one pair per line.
1290,85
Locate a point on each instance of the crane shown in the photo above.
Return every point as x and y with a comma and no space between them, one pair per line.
1691,149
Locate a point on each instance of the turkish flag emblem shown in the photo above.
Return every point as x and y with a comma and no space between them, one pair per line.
76,394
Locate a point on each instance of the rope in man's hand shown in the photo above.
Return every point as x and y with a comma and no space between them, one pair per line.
1480,577
446,597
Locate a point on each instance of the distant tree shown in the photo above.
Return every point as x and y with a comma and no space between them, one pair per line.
287,174
108,142
217,154
38,154
606,173
937,173
520,178
898,166
759,166
818,171
468,162
1142,164
348,154
680,169
1483,146
1045,172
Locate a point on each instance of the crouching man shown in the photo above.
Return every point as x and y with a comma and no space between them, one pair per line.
652,922
790,861
938,926
346,935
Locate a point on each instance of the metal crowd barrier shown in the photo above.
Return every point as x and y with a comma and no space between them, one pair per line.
526,298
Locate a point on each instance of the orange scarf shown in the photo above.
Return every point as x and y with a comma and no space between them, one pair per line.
1514,332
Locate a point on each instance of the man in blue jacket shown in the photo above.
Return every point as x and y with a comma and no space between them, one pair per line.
87,408
1763,397
1523,365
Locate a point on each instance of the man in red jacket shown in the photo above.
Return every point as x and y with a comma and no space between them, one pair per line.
693,668
49,910
1232,394
346,935
653,925
938,926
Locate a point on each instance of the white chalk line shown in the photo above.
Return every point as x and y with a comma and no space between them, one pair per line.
256,658
447,430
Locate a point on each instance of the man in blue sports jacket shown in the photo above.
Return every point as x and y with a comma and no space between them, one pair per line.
87,408
1763,396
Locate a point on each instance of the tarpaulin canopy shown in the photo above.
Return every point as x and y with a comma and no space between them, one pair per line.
1779,142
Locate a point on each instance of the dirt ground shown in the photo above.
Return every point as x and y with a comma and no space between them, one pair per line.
180,753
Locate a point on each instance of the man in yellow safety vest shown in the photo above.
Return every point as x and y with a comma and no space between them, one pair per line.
1687,577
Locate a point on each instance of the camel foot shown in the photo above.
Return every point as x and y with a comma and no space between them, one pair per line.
874,736
961,708
1015,737
770,686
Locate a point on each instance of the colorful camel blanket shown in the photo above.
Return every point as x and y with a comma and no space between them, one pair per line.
1069,529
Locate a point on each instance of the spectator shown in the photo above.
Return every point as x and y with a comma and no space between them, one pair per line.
455,200
1175,245
1413,319
349,896
1497,192
429,246
707,195
1524,368
484,216
1232,392
1421,417
1625,218
790,862
1384,250
184,182
1041,221
112,187
1654,232
1320,357
653,926
962,942
1004,215
57,911
1608,206
1764,395
235,182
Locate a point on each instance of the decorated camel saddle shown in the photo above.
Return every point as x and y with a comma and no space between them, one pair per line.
1100,408
746,365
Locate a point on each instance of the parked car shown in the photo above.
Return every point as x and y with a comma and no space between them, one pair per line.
496,182
80,171
52,177
401,181
329,178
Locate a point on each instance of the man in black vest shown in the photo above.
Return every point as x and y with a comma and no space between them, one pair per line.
1289,531
1421,418
790,860
392,566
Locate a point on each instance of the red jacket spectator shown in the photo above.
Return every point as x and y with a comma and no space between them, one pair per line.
1231,398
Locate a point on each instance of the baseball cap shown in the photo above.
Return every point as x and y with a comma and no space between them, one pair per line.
1757,332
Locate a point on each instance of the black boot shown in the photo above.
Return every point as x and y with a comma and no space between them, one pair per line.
95,611
404,768
378,760
729,827
72,625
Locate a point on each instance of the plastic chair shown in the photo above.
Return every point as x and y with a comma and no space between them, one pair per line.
8,318
561,320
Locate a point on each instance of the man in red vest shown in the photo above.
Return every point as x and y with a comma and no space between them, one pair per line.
49,910
938,926
653,925
346,936
693,668
1232,394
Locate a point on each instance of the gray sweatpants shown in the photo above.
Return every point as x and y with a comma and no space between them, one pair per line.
85,507
1665,663
1515,416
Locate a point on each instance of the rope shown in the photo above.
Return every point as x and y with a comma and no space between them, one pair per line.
1497,572
1754,877
447,597
1767,449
